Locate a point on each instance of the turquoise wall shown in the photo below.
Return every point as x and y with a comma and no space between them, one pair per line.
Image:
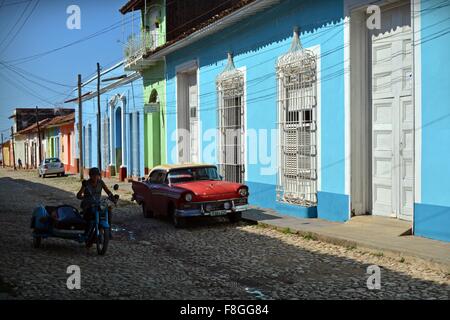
432,214
257,42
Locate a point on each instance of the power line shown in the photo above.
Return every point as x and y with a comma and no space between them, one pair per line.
32,81
15,24
3,4
25,72
16,83
20,28
91,36
336,49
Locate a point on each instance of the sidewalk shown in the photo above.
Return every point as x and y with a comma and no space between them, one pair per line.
378,234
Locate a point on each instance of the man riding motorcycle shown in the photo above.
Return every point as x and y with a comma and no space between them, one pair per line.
90,193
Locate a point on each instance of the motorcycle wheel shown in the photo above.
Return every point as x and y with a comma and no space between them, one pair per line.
37,242
102,241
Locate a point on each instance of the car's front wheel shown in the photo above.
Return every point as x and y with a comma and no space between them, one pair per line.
178,222
235,217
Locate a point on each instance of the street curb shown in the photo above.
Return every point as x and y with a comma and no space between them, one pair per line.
351,244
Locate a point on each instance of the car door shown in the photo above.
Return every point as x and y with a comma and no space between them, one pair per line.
159,193
148,192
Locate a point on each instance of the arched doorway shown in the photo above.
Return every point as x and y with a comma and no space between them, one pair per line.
153,96
118,137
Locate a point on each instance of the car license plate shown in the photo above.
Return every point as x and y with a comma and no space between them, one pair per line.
218,213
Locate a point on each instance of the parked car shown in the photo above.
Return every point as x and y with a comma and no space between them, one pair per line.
189,190
51,166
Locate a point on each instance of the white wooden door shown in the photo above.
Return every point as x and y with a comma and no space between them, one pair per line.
383,160
193,117
392,116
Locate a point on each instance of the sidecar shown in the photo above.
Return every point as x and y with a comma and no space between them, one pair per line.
62,221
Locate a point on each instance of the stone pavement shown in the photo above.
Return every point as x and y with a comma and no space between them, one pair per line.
210,259
386,236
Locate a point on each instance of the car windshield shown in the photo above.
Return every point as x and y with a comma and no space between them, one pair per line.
193,174
52,160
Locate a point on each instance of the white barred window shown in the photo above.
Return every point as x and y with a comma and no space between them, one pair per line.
230,92
297,101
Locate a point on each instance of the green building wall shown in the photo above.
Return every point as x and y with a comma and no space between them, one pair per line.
155,122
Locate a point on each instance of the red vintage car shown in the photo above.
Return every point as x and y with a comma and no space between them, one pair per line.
189,190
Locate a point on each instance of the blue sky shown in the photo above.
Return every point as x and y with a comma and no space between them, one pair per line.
45,30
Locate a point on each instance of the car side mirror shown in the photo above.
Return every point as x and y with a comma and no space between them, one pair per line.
116,187
221,177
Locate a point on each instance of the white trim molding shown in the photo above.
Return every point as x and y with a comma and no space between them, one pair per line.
347,101
417,96
244,71
199,128
317,51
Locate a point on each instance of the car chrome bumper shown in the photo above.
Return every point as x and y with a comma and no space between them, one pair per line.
201,212
52,171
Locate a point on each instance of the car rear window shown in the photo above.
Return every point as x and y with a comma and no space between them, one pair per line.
52,160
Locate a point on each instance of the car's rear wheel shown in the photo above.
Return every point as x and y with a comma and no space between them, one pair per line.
147,213
178,222
235,217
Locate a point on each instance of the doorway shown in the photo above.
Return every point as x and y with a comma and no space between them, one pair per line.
187,116
382,114
118,137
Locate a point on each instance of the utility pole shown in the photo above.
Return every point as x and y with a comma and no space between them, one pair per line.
80,130
12,143
39,136
3,155
99,151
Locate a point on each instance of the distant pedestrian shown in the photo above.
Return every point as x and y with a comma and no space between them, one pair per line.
20,163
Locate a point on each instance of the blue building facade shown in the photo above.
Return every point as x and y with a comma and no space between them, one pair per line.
122,131
432,203
344,117
256,45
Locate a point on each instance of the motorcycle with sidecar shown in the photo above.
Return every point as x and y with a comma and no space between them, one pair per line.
66,222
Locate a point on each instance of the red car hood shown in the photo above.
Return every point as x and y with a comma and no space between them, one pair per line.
210,189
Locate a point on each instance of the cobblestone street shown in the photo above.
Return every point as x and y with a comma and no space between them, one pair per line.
210,259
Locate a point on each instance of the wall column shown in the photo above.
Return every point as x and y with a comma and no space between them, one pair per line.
123,167
135,144
111,170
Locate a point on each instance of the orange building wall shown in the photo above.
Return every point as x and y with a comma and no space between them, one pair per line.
66,142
